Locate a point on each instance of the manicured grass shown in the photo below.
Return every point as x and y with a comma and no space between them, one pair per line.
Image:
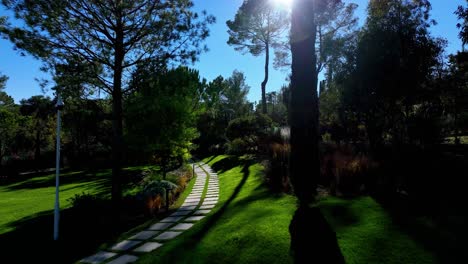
249,224
366,233
28,197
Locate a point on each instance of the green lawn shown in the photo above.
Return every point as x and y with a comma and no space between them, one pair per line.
250,225
366,233
31,196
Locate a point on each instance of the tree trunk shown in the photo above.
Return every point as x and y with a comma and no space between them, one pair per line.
117,117
37,149
265,80
304,161
312,238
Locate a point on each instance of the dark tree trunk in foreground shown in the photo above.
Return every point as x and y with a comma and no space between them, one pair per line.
265,80
312,239
304,160
117,117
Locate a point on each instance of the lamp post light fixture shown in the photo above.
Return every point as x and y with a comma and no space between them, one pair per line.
58,106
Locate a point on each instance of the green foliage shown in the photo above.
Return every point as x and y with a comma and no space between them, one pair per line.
257,26
159,187
42,112
223,101
161,115
87,131
462,13
111,40
246,133
85,202
3,80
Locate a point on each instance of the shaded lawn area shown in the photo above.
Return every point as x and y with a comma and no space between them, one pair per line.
366,233
35,195
250,225
26,217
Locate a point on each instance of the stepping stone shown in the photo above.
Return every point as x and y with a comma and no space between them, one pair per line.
143,235
202,212
172,219
168,235
190,203
209,202
148,247
194,218
124,259
191,207
179,213
182,226
124,245
211,199
160,226
98,257
192,200
212,196
194,196
208,206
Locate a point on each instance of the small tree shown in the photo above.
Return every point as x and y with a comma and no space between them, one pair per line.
161,115
258,27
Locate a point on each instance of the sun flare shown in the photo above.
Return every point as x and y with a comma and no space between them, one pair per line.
283,3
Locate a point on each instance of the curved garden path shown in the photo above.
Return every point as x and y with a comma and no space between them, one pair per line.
197,205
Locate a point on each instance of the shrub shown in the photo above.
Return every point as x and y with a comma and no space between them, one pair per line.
277,169
151,191
344,171
237,146
90,208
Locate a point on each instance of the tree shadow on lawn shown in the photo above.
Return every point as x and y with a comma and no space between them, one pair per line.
230,162
340,214
195,235
28,176
80,235
441,231
71,178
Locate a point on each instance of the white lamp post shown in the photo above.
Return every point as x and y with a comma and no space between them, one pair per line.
58,106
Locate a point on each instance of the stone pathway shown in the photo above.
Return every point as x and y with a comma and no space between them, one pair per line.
196,206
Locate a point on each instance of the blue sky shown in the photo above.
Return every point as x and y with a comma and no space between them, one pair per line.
221,59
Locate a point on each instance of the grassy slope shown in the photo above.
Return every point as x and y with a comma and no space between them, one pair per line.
249,225
37,195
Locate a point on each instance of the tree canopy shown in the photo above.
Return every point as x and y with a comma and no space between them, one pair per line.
116,36
259,26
